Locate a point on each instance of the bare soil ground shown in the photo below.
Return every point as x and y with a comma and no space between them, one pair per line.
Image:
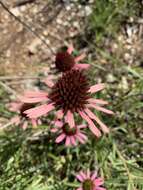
56,22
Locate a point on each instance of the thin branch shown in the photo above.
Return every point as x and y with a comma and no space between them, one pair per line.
27,26
23,2
3,78
8,89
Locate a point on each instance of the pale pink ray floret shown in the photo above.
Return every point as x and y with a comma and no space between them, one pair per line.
90,181
21,118
70,95
69,135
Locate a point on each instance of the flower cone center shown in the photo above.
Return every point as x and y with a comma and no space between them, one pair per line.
69,131
88,185
64,61
71,91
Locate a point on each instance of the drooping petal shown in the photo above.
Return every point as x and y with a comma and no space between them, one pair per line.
98,181
81,66
80,57
60,138
81,140
34,122
83,175
15,106
93,116
67,143
80,178
35,94
99,188
70,49
58,123
33,100
96,88
88,173
99,108
94,175
80,188
70,119
48,81
59,114
39,110
97,101
82,126
73,140
92,127
15,120
82,136
25,125
54,130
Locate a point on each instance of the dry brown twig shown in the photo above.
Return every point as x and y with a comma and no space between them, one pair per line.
23,2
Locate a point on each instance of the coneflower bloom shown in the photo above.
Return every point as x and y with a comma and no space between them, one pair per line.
69,135
90,181
21,118
65,61
69,95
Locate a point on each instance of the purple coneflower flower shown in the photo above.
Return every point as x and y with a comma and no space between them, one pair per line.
69,95
65,61
90,181
70,135
21,118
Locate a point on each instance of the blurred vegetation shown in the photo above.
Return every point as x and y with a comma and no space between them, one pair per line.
41,164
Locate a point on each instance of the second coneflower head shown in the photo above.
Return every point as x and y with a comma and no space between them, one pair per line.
65,61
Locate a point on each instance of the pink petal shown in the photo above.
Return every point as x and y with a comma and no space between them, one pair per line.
81,140
60,138
39,111
88,173
96,88
82,136
93,116
15,106
80,188
33,100
92,127
73,140
83,175
80,57
101,109
35,94
98,181
48,82
94,175
58,123
70,49
59,114
97,101
100,188
80,178
25,125
82,126
70,119
67,143
54,130
81,66
34,122
39,122
15,120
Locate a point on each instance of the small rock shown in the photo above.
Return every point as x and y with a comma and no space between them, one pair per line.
88,10
111,78
15,11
